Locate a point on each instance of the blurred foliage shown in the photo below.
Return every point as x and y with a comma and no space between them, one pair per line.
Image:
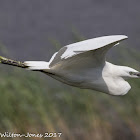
33,102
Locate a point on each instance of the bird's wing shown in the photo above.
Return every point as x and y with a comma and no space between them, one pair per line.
93,50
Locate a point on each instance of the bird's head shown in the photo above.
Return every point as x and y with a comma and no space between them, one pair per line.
128,72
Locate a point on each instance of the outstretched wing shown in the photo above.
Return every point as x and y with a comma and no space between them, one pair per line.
86,53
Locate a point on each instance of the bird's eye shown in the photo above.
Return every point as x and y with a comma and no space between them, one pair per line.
131,73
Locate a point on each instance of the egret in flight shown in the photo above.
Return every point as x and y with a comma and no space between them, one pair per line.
83,65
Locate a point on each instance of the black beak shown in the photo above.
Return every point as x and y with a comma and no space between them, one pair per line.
138,74
135,73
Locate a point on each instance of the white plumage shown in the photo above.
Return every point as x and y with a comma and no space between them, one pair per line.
83,65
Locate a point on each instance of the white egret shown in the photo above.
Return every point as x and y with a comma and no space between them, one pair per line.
83,65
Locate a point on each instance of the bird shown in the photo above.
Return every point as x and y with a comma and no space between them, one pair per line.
83,64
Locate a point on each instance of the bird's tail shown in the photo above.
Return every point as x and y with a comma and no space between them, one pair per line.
37,65
31,65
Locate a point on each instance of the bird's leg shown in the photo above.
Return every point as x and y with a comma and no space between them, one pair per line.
7,61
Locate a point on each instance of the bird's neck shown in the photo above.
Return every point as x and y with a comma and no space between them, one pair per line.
113,70
115,83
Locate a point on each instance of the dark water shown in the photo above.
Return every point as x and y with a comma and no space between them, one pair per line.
27,26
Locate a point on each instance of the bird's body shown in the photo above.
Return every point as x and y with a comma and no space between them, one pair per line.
99,79
83,65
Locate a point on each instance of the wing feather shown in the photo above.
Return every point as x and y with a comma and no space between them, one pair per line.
95,48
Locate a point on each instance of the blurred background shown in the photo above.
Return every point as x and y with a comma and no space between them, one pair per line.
35,103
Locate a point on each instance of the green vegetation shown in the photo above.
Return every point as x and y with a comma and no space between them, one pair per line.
35,103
